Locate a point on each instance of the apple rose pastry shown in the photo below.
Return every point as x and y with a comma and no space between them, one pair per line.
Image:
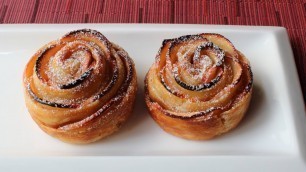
199,87
81,87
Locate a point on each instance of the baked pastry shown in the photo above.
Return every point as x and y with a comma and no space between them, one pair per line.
81,87
199,87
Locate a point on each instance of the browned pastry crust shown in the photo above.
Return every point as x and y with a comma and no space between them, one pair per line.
199,87
81,87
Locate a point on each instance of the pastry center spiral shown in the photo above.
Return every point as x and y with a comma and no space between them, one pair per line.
69,66
198,65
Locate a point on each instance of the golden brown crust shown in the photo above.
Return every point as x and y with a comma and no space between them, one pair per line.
194,108
80,88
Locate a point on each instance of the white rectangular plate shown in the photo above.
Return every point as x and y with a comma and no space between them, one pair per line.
270,138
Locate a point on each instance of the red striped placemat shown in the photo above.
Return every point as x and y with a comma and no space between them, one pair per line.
290,14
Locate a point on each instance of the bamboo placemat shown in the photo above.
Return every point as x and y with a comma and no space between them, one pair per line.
290,14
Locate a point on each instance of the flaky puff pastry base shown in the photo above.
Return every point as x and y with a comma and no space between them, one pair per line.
94,129
212,125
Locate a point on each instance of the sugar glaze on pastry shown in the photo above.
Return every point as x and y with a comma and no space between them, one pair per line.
199,86
81,87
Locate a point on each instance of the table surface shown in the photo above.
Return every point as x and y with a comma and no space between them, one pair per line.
290,14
